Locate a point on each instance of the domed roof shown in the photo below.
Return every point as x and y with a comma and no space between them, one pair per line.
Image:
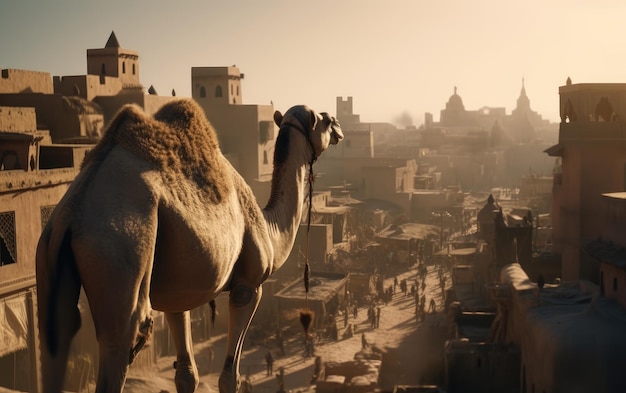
455,102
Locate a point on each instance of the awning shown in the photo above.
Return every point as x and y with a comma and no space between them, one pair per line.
555,151
13,325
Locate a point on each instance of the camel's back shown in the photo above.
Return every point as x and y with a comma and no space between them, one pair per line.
179,140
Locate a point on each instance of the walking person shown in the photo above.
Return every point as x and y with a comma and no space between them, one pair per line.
269,362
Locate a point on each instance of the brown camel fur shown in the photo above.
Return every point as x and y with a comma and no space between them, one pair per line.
159,219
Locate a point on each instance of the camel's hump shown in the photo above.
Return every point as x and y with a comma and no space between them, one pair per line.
178,139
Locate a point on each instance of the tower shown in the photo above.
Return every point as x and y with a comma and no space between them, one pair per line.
345,113
216,85
114,61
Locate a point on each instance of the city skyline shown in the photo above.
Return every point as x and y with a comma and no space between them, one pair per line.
394,58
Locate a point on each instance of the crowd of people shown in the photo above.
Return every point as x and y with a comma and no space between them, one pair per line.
348,311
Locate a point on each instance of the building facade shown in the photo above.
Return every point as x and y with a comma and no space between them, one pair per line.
34,175
592,153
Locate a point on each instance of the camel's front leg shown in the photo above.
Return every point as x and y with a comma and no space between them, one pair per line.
186,371
243,303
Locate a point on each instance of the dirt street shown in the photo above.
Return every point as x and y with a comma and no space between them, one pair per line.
413,349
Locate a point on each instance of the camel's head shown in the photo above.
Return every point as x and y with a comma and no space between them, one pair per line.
321,129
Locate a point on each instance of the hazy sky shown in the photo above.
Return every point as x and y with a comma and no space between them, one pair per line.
392,57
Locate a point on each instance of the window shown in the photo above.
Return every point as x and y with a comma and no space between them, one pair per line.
8,253
218,91
9,161
123,67
133,69
202,92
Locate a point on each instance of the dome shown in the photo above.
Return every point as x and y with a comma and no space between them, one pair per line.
455,103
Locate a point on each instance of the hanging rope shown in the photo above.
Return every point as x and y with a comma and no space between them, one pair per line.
306,316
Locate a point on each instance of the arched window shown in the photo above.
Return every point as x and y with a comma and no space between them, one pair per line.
202,92
604,110
123,67
218,91
569,116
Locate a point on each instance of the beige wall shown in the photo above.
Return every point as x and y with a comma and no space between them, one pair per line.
34,194
115,62
55,114
17,119
24,81
89,86
112,104
206,81
238,130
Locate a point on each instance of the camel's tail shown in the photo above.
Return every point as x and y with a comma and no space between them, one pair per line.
58,287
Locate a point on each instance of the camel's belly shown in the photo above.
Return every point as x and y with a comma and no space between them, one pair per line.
194,258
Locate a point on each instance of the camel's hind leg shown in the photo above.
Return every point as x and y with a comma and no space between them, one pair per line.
243,303
121,312
186,371
120,339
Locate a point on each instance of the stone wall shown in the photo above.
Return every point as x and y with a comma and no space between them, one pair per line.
24,81
17,119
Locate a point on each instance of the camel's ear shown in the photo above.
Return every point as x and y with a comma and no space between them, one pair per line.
278,118
313,119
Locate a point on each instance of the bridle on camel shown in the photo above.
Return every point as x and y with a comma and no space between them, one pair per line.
306,316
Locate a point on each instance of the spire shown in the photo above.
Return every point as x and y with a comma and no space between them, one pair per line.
112,42
523,102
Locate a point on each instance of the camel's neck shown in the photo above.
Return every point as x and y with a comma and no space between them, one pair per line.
283,212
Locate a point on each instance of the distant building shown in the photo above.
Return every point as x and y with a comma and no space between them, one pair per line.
34,175
77,108
246,133
592,152
487,147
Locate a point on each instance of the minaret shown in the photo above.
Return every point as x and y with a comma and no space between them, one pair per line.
523,103
114,61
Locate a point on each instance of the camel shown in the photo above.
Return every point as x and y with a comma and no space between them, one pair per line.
158,219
